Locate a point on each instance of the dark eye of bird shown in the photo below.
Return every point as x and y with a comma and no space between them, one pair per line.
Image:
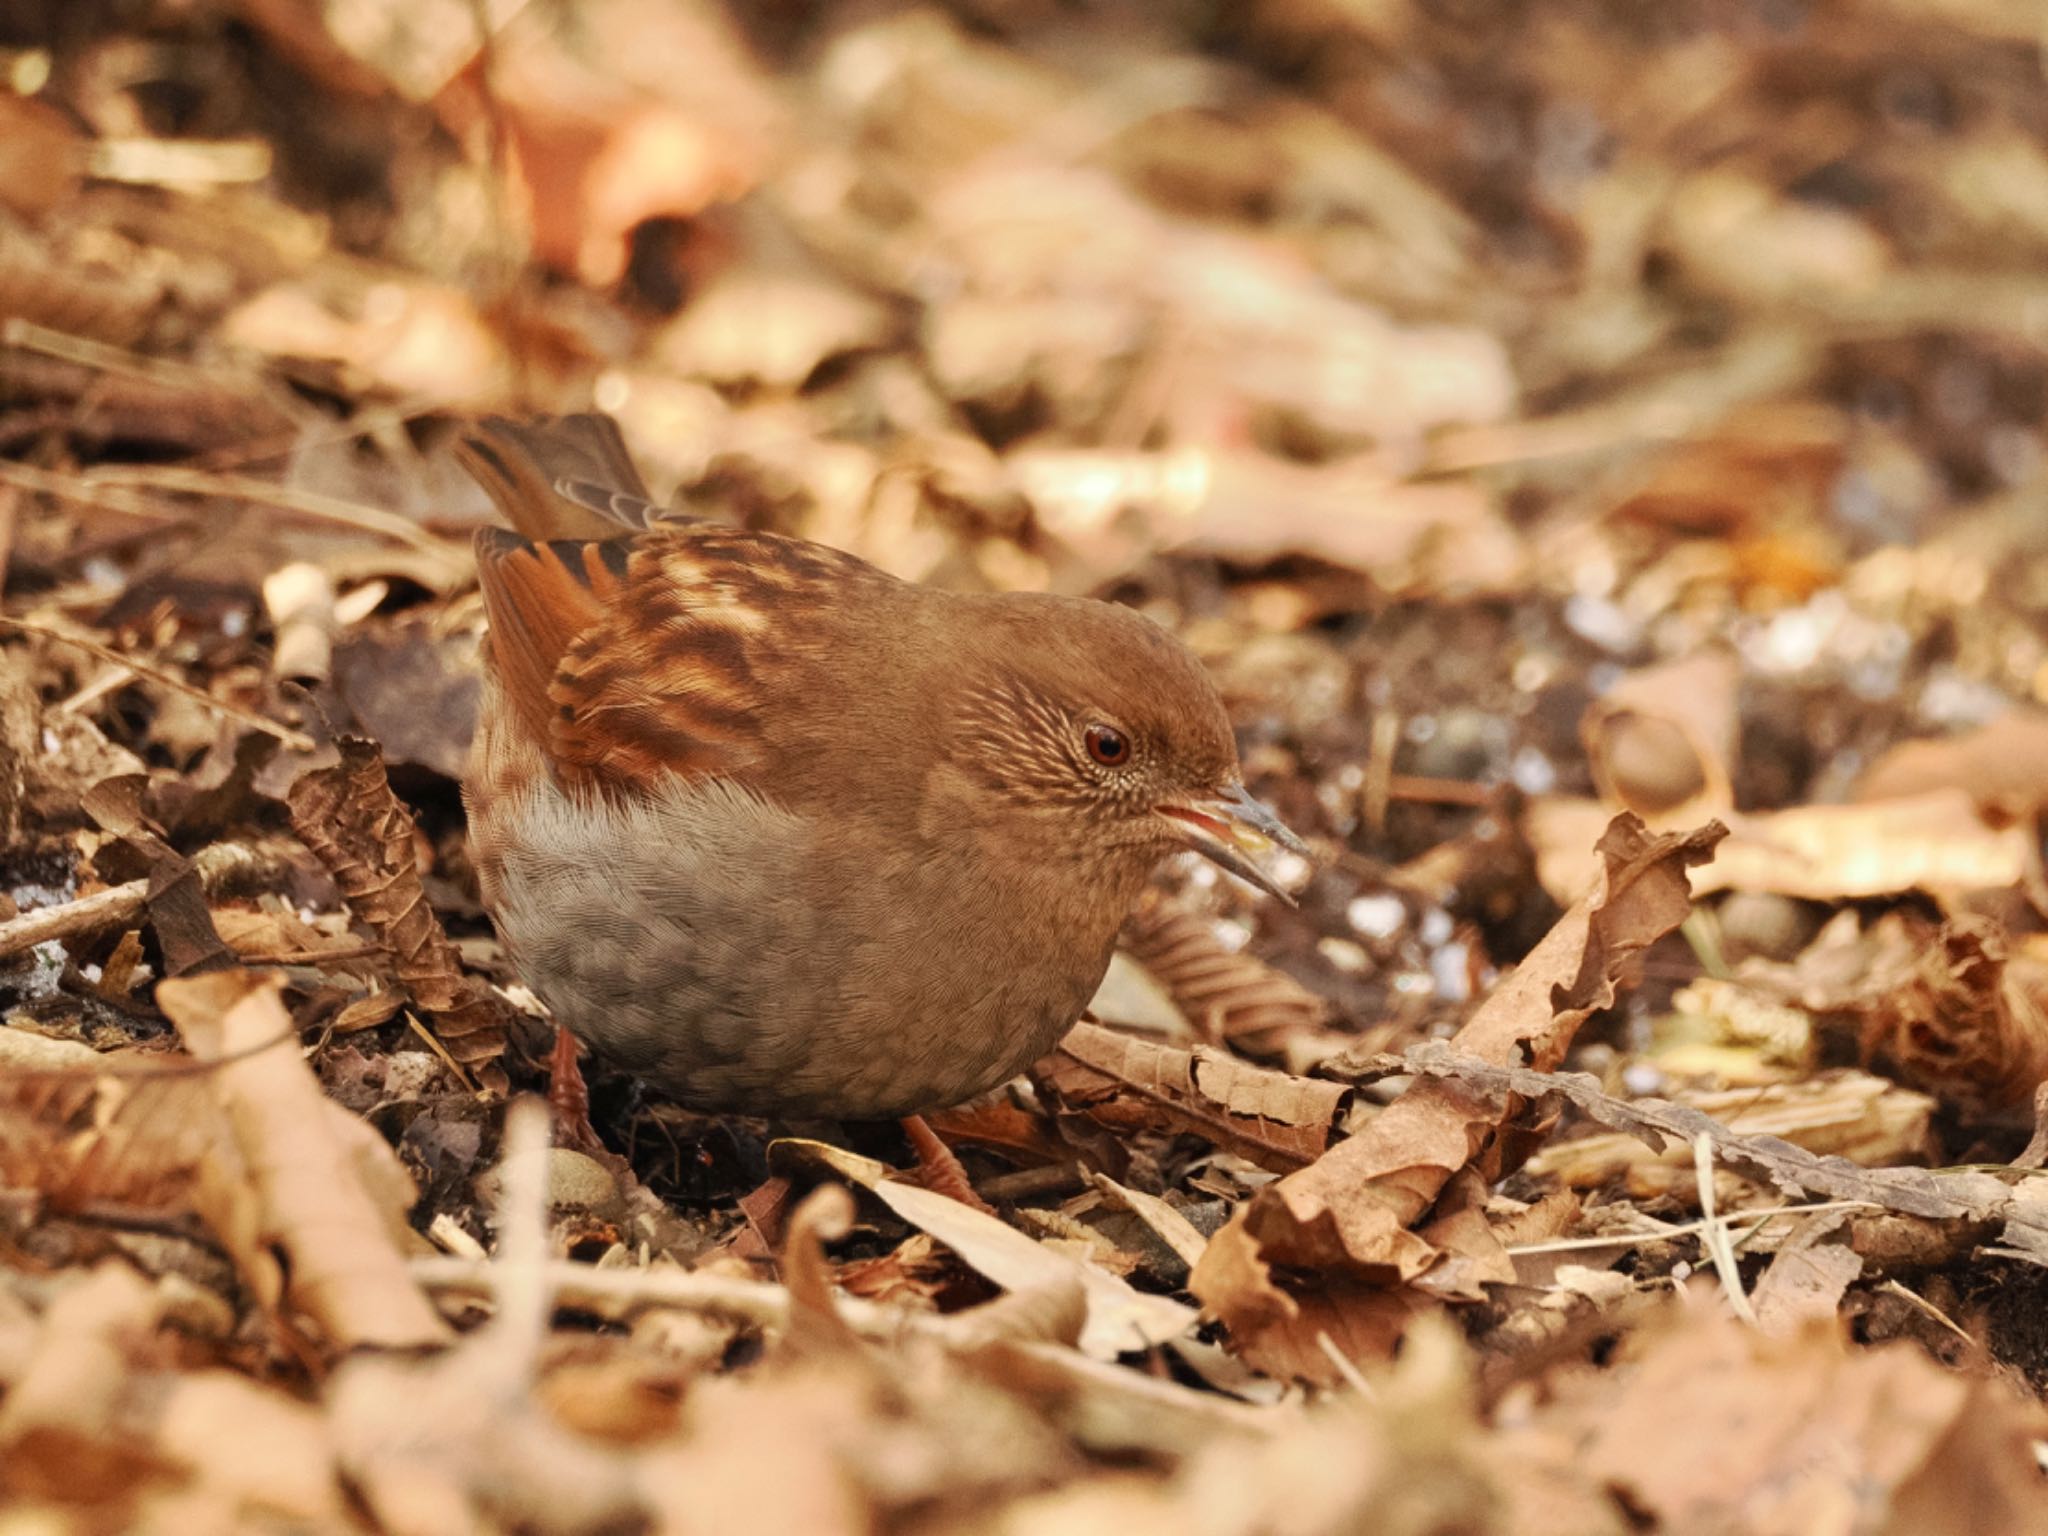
1108,745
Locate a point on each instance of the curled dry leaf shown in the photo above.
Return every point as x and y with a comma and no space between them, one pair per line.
1119,1318
1354,1211
1128,1083
347,815
79,1129
1230,995
815,1325
1661,742
300,601
1969,1018
323,1193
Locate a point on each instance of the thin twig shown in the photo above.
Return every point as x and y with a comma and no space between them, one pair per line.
519,1276
433,1043
1758,1220
298,741
1930,1309
114,907
620,1293
103,357
179,479
1346,1366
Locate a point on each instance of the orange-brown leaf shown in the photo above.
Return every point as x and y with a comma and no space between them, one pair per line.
1129,1083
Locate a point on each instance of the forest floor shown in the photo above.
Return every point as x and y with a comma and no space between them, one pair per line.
1599,452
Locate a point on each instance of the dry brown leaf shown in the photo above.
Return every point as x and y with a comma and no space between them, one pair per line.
1353,1211
104,1422
1275,1119
299,598
176,895
774,330
309,1227
1935,842
2002,765
99,1411
79,1129
1739,238
1802,1286
1432,538
1022,1135
1166,1223
412,337
1119,1318
1714,1427
599,139
353,823
1767,463
42,156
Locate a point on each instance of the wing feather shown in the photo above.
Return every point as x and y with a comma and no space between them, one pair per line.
646,652
559,477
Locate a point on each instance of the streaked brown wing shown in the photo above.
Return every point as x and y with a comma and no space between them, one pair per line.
540,598
632,660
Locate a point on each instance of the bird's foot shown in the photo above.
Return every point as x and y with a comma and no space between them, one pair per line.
938,1169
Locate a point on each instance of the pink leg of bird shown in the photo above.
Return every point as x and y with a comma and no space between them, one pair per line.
569,1097
940,1169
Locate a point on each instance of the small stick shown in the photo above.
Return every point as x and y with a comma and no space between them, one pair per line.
1427,791
112,908
621,1293
298,741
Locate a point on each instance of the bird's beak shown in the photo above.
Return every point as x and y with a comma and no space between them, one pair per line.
1227,827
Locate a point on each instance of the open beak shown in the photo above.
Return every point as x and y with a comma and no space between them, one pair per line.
1228,827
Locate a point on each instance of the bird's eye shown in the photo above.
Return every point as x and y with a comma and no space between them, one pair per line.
1108,745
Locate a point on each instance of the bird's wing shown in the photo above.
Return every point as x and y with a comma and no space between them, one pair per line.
559,477
630,661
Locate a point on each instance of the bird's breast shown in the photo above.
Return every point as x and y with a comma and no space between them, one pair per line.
746,958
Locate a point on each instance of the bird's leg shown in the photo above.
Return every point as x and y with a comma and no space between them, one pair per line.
569,1097
941,1170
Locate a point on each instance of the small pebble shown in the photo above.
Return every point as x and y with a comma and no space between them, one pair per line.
1344,955
1640,1078
578,1182
1764,924
1451,968
1377,917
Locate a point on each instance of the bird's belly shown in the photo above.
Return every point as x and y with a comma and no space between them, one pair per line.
705,943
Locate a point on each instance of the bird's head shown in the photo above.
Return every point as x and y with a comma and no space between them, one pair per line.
1095,735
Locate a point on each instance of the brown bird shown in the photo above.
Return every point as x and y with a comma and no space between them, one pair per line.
783,835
